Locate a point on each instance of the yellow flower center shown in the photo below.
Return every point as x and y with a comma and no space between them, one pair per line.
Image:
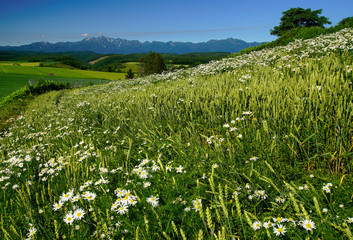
308,225
280,229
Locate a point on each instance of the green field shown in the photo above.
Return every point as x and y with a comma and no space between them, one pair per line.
258,146
14,75
58,72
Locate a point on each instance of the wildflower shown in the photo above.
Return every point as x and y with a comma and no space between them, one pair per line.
66,196
326,188
215,165
187,209
267,224
350,220
197,204
308,225
58,205
90,196
204,176
69,218
75,198
240,136
235,193
146,184
114,206
120,192
253,158
144,174
153,201
155,168
122,209
324,210
179,169
168,168
278,219
32,231
280,200
256,225
226,125
280,230
132,201
78,214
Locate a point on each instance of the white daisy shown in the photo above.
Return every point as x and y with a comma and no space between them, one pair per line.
267,224
256,225
179,169
308,225
69,218
122,209
58,205
280,230
153,201
79,213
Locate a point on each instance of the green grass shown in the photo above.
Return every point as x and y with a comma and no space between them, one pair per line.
14,75
214,152
12,82
58,72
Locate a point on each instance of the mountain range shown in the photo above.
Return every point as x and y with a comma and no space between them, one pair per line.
107,45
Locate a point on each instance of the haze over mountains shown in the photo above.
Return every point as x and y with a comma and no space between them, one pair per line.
107,45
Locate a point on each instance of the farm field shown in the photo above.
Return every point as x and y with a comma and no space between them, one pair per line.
58,72
13,77
258,146
12,82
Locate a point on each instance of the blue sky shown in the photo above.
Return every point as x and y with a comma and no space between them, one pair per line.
27,21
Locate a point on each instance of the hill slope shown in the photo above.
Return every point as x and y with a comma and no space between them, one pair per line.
253,147
106,45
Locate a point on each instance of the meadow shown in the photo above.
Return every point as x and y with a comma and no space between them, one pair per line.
257,146
14,75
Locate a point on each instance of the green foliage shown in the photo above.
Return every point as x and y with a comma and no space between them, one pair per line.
154,63
299,17
129,74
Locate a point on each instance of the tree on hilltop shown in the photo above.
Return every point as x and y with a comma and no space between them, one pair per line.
299,17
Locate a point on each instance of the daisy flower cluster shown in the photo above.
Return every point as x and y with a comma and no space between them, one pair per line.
124,200
280,225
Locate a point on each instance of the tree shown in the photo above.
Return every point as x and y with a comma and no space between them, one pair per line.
154,63
299,17
129,74
141,67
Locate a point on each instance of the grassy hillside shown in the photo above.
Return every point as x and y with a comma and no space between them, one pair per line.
257,146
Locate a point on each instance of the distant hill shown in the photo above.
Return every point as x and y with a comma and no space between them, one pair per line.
106,45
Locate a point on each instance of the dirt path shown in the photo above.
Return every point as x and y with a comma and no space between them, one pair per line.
94,61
